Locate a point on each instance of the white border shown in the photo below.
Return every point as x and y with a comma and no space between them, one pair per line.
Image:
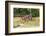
31,29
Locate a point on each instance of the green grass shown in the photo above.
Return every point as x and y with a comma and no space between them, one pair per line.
30,23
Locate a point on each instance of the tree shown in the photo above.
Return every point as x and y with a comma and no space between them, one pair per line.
35,12
26,11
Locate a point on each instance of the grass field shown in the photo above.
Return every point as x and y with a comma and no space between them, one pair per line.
31,23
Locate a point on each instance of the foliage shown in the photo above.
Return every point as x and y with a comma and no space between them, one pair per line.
26,11
35,12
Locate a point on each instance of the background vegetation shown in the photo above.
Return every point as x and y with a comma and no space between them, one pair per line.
26,11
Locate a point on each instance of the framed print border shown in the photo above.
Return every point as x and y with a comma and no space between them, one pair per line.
6,17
